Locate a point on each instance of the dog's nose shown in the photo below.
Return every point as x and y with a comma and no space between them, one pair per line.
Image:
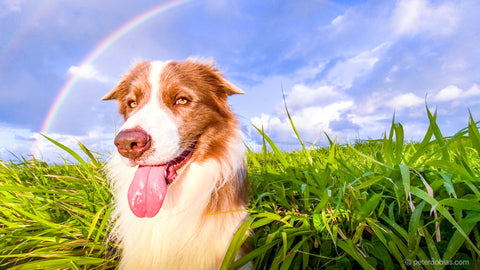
132,143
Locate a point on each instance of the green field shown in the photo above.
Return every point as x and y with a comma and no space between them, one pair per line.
376,204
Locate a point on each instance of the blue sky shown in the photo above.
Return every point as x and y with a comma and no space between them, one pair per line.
345,66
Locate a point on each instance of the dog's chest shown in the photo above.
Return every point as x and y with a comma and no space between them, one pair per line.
181,236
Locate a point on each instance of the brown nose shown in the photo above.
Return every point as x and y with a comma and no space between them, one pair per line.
132,143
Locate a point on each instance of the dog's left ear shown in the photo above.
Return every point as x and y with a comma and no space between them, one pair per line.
230,88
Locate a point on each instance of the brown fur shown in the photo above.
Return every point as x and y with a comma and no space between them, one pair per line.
205,88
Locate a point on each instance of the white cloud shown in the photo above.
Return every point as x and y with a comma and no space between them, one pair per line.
97,140
344,74
338,20
261,122
88,72
15,141
281,130
390,101
311,109
310,71
315,119
448,93
454,93
21,142
303,96
473,91
369,125
404,101
455,65
412,17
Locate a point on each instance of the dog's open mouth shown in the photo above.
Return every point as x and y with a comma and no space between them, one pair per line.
149,186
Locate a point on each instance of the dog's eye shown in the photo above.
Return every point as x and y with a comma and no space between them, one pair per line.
132,104
181,101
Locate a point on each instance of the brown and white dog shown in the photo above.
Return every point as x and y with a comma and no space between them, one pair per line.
178,176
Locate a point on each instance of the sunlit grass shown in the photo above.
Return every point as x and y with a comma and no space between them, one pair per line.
374,204
54,216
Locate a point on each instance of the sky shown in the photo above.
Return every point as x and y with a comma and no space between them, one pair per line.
342,67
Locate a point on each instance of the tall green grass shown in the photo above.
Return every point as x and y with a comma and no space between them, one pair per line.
377,204
384,203
55,216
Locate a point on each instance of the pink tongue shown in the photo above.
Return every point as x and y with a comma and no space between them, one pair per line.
147,191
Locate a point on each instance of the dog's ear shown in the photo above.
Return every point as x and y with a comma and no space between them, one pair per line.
112,94
119,90
122,87
228,87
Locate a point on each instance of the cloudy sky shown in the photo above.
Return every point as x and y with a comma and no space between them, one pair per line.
345,66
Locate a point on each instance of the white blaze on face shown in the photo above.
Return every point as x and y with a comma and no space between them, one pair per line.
157,122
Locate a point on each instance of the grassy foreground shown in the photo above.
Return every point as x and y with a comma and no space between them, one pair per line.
379,204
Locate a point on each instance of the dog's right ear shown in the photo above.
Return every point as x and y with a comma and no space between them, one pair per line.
110,95
122,87
113,94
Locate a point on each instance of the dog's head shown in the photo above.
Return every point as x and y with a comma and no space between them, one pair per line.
174,112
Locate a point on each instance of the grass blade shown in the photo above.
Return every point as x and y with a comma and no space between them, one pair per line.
438,134
367,208
59,263
278,154
473,133
458,239
237,241
66,149
435,204
89,153
349,248
304,150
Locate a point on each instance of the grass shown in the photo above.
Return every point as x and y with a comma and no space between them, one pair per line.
377,204
54,217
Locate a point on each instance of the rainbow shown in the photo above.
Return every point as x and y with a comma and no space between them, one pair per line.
101,47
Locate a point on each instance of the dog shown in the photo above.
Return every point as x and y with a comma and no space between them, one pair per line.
178,174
